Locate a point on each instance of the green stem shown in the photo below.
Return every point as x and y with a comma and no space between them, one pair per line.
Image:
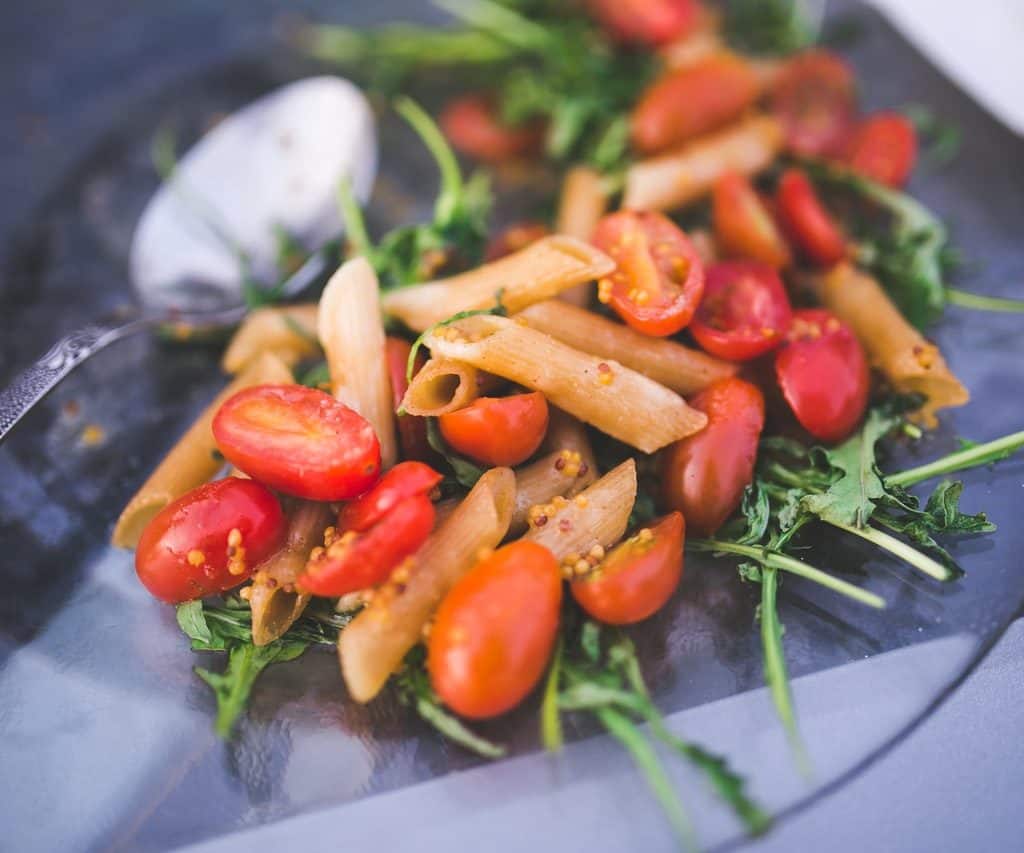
972,457
898,548
352,217
977,302
550,718
498,21
450,196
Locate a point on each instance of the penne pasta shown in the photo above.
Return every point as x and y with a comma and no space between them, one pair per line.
352,334
680,368
442,386
374,644
566,433
288,331
558,473
679,177
583,202
910,363
540,271
194,459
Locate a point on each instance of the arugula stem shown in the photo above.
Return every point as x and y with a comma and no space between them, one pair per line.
977,302
450,196
499,21
550,718
352,218
972,457
898,548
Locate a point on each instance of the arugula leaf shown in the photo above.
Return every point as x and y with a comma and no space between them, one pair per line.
769,26
498,310
318,376
465,472
192,622
941,140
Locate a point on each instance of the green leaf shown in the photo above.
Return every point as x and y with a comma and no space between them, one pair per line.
550,718
769,27
318,376
590,641
465,472
498,310
940,140
193,623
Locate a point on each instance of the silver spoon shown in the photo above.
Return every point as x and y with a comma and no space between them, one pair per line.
277,162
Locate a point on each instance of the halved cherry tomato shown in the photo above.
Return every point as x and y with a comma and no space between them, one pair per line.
806,221
815,98
823,374
299,441
659,277
638,577
884,149
744,313
209,540
498,430
690,101
356,561
744,228
495,630
704,476
645,22
412,430
405,480
514,238
473,126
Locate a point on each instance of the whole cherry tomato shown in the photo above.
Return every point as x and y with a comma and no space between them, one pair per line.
412,430
498,430
405,480
495,631
645,22
807,221
637,577
884,149
659,277
704,476
209,540
744,313
473,126
299,441
514,238
744,227
823,374
815,98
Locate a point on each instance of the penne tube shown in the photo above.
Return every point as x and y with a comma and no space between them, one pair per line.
194,459
910,363
352,335
288,331
374,644
682,176
566,433
618,401
556,474
441,386
680,368
540,271
598,515
583,202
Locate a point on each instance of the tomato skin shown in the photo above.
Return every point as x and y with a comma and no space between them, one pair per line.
704,475
745,311
473,127
823,374
412,430
815,98
636,579
405,480
514,238
199,523
498,430
645,22
659,277
807,221
299,441
744,227
884,149
688,102
495,631
364,560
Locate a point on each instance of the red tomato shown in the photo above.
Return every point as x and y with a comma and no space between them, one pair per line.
299,441
646,22
704,476
473,126
498,430
815,98
691,101
659,277
495,630
884,149
638,577
514,238
355,561
209,540
811,226
744,227
744,313
823,374
405,480
412,430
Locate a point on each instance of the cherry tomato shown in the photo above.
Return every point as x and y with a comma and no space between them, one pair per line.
691,101
209,540
659,277
884,149
645,22
498,430
823,374
405,480
815,98
412,430
638,577
299,441
514,238
811,227
473,126
744,227
744,313
495,630
355,561
704,476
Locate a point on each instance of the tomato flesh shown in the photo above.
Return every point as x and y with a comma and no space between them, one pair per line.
884,149
514,238
498,430
744,227
405,480
636,579
659,278
815,98
744,313
299,441
807,221
495,631
473,127
645,22
209,540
